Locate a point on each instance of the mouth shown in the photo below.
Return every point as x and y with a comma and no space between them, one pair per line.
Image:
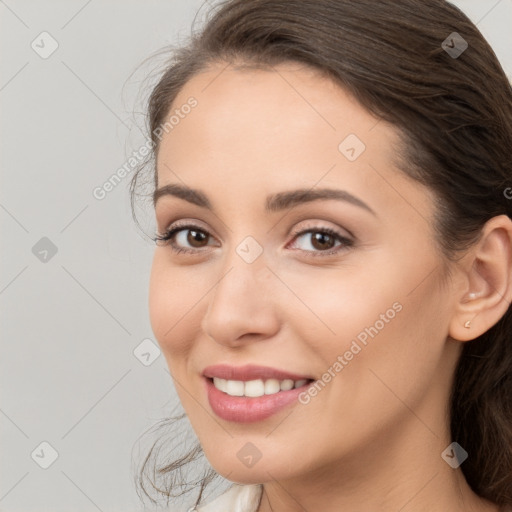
258,387
251,393
251,372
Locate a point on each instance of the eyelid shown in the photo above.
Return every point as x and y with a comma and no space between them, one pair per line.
169,233
346,242
320,225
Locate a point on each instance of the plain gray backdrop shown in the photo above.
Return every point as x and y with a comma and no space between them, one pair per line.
81,374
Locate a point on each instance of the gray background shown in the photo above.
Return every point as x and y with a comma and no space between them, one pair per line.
71,320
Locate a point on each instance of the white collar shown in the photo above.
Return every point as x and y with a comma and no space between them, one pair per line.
238,498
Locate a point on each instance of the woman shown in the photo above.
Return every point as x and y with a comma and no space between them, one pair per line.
333,271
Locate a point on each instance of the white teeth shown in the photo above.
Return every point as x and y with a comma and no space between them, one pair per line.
256,388
272,386
286,385
235,387
220,383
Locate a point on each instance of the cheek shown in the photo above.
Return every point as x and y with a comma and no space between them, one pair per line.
172,305
394,347
335,307
377,318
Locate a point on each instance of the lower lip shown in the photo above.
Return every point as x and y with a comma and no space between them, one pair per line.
242,409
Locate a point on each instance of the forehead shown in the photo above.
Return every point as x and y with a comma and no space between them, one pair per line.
288,95
269,129
272,110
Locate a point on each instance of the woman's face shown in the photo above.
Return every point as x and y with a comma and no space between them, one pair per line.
345,292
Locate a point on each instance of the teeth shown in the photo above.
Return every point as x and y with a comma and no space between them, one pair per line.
272,386
220,383
287,384
256,388
235,388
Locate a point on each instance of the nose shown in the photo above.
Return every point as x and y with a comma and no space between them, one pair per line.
242,305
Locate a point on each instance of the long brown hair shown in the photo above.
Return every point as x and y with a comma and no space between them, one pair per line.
454,114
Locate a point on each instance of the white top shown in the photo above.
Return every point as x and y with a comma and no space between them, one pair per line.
239,498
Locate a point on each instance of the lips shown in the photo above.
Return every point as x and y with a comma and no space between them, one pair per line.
251,372
240,394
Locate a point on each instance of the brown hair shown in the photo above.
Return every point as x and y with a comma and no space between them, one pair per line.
455,119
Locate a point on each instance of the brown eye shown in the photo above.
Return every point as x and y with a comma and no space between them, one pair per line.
195,238
184,239
322,241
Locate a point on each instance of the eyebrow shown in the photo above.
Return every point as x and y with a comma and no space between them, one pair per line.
274,203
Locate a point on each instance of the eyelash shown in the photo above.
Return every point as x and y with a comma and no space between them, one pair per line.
168,235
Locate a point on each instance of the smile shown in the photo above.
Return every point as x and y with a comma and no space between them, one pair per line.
256,388
251,393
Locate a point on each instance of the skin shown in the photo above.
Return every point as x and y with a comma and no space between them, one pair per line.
372,438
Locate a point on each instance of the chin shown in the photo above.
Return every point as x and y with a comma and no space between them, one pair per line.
238,470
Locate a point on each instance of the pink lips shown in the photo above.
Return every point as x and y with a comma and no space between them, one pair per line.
250,372
243,409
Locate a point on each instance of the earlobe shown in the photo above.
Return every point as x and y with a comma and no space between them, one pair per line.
487,276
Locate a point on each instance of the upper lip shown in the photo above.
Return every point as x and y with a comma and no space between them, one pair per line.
250,372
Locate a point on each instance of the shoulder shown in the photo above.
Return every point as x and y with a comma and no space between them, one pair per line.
238,498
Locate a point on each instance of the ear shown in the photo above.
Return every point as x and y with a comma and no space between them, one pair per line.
487,278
